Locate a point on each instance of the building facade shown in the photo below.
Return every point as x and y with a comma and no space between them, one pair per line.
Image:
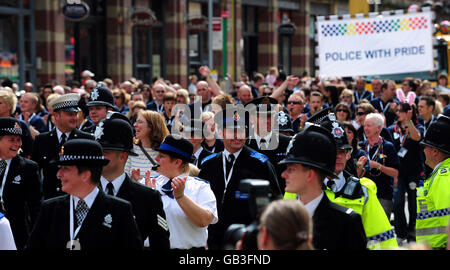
46,40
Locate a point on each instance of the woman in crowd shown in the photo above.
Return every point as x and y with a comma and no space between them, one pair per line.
381,162
121,100
343,112
150,132
357,152
189,203
348,97
407,134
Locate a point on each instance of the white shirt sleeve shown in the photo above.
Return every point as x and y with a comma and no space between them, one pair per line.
6,236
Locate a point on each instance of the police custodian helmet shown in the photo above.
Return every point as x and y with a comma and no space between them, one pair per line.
314,147
438,134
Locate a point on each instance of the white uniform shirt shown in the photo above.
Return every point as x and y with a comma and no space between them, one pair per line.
184,234
6,236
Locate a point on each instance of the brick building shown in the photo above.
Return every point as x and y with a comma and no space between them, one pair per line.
41,42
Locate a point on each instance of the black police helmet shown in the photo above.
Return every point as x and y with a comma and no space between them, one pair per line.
314,147
438,134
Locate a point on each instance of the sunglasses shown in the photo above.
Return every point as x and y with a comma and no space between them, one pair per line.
295,102
341,110
159,92
117,96
266,94
360,113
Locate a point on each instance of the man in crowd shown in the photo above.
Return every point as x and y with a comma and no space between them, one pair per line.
47,145
334,227
116,138
225,170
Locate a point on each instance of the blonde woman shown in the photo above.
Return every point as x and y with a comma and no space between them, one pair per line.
150,133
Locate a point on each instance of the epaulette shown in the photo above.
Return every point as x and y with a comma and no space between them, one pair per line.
208,158
444,170
200,179
261,157
342,209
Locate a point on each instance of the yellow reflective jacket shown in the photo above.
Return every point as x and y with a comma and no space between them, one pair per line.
433,207
377,227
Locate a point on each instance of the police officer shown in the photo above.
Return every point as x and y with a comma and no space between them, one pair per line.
358,194
225,170
194,131
433,198
116,137
100,102
20,188
264,138
47,145
189,202
85,218
334,226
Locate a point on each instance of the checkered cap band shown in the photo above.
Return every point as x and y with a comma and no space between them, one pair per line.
73,157
12,131
65,104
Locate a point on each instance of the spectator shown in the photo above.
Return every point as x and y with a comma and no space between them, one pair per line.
348,97
407,134
121,98
211,143
158,91
386,103
343,112
285,225
169,101
150,132
28,106
381,163
146,93
360,90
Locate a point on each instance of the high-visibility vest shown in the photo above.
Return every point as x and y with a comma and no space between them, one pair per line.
433,207
377,227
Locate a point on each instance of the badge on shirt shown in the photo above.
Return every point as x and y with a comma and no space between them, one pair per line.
402,152
396,135
16,180
107,221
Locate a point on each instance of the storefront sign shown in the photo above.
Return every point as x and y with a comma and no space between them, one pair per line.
142,17
75,10
197,24
387,44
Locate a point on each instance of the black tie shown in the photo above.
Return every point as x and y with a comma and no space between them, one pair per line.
81,211
63,139
2,169
167,189
229,163
109,189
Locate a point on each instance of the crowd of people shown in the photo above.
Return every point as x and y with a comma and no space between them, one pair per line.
103,164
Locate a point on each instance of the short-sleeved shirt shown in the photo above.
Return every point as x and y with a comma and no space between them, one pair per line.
184,234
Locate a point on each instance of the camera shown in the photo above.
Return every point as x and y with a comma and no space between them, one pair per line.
259,195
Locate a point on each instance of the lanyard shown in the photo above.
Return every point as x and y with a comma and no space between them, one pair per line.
383,109
73,233
402,136
380,146
3,182
227,179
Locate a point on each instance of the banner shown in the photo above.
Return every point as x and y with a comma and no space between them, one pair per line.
385,44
